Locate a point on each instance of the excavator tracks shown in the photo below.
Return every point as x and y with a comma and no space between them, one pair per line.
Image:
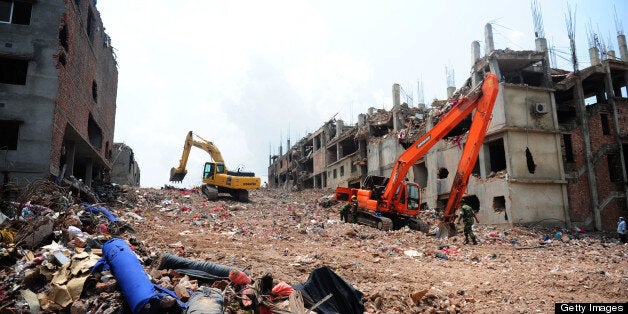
381,223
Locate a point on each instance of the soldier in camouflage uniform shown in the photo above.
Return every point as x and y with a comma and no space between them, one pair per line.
467,215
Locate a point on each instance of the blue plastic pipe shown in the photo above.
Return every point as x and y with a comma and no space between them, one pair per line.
136,287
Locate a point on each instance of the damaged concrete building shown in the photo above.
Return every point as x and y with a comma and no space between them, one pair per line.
554,153
58,86
125,170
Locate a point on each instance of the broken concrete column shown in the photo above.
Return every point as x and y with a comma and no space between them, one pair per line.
623,49
594,54
396,95
475,56
611,54
339,126
450,91
475,52
395,114
488,36
361,119
541,46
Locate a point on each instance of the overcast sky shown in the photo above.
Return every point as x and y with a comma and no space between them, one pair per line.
248,74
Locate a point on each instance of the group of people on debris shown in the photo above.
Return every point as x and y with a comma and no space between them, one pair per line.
349,213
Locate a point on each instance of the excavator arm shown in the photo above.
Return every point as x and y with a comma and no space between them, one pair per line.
482,99
178,173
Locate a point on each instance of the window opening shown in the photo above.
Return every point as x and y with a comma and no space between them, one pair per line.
497,155
606,130
15,12
13,71
614,167
335,174
569,157
10,131
342,171
499,204
94,132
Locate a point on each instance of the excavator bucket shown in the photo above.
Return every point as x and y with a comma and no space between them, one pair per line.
446,229
177,176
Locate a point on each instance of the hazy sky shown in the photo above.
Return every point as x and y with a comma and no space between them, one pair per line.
248,74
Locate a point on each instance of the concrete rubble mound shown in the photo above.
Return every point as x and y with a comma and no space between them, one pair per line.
169,250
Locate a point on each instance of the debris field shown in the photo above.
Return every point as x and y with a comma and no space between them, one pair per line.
52,242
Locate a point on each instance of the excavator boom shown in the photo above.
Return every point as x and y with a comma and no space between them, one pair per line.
178,173
482,99
395,201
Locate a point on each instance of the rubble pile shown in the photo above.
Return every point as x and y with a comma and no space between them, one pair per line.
274,254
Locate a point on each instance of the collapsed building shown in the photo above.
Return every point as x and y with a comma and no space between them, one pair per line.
554,153
58,87
125,169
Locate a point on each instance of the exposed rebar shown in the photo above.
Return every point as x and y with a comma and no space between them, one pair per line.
537,16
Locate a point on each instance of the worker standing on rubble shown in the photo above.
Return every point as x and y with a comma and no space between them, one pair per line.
344,212
354,208
467,215
621,229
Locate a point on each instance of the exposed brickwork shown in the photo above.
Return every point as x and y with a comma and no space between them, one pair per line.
579,196
87,61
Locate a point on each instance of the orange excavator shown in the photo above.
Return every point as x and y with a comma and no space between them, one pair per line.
393,202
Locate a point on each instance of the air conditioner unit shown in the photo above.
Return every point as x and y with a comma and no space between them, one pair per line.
541,108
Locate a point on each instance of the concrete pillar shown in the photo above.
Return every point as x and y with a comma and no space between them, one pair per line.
288,147
396,122
361,120
475,56
70,153
611,54
396,95
89,168
339,151
339,127
594,54
588,155
541,46
450,91
623,49
488,38
475,52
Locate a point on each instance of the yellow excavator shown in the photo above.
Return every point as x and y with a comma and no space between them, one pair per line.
216,178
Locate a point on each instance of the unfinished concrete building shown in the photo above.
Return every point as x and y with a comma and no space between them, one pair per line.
58,86
125,170
554,153
327,157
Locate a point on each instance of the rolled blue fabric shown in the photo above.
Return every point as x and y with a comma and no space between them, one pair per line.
134,282
98,209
